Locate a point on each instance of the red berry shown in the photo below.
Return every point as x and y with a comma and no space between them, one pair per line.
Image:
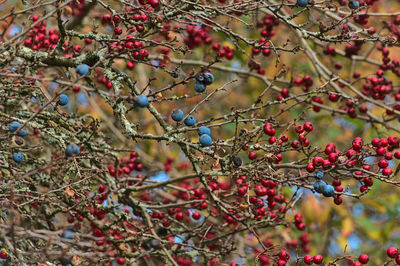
130,65
308,126
252,155
120,261
269,130
179,216
338,201
383,163
308,259
392,252
317,259
3,255
363,258
387,171
284,255
196,215
281,262
310,168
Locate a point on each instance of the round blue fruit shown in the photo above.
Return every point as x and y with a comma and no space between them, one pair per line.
302,3
177,115
72,149
319,186
200,78
64,100
205,140
190,121
22,133
328,191
82,69
208,78
354,4
18,157
199,87
14,126
142,101
319,174
203,130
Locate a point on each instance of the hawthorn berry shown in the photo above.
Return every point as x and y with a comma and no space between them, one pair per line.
308,259
284,255
281,263
308,126
392,252
310,167
121,261
317,259
196,215
363,258
387,171
252,155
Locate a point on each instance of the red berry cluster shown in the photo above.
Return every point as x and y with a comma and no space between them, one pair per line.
197,35
39,38
224,51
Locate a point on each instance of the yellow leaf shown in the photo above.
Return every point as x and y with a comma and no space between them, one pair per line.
347,227
377,206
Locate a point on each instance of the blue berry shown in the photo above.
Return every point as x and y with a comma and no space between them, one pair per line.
319,174
142,101
208,78
22,133
177,115
14,126
205,140
18,157
200,78
199,87
328,191
72,149
82,69
354,4
68,233
63,100
203,130
190,121
302,3
319,186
